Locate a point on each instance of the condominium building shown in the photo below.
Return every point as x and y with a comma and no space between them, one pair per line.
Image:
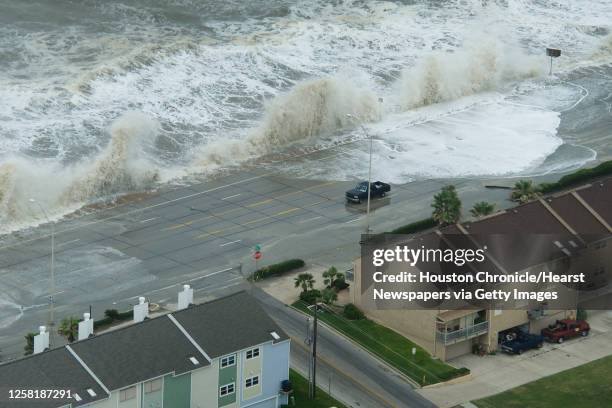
583,214
224,353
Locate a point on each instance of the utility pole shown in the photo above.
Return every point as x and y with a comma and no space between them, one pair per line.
314,352
51,323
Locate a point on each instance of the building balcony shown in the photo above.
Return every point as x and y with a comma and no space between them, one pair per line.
451,337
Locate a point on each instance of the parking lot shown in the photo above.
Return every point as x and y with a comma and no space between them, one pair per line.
496,373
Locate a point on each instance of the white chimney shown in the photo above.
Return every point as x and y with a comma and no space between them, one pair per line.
185,298
41,340
86,328
141,310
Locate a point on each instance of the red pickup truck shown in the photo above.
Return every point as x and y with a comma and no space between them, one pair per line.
565,329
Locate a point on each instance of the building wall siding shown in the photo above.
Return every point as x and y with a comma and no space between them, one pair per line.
152,399
275,369
204,386
251,368
228,375
177,391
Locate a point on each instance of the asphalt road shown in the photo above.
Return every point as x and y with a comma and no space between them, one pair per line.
355,377
199,235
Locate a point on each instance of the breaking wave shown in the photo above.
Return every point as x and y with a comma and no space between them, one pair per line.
475,68
119,168
310,109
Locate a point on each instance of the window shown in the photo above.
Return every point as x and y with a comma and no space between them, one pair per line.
152,386
252,353
228,361
251,382
226,389
127,394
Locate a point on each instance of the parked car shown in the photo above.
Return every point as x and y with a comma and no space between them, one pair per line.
520,341
565,329
360,192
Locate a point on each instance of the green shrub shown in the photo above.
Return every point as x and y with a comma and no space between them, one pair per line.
340,283
581,314
278,269
352,312
580,176
414,227
112,313
310,296
106,321
126,315
453,373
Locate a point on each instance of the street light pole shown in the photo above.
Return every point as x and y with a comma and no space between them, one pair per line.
52,296
369,183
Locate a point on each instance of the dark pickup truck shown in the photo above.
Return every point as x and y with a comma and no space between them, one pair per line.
565,329
360,192
516,343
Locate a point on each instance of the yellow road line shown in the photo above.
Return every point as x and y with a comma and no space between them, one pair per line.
289,211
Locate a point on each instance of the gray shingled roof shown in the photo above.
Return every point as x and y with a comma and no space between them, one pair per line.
139,352
229,324
55,369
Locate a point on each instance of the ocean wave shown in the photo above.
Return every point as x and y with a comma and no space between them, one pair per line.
120,168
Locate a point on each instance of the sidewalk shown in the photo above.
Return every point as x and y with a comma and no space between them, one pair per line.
494,374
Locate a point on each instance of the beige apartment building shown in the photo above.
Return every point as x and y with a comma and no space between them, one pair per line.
583,214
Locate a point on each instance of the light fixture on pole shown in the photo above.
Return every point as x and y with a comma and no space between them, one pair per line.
51,296
369,136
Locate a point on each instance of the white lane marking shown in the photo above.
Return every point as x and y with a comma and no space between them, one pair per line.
230,243
232,196
210,274
68,242
149,219
175,284
356,219
310,219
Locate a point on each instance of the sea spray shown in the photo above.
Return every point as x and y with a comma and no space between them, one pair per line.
120,168
481,65
310,109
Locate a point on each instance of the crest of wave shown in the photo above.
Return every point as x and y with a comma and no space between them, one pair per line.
310,109
481,65
119,168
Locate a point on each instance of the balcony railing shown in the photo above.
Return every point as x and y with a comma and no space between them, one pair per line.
463,334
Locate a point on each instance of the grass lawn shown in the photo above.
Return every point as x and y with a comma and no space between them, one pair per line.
300,393
391,347
586,386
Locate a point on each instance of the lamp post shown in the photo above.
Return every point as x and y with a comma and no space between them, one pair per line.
365,132
51,297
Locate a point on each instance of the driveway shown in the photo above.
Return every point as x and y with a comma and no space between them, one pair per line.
494,374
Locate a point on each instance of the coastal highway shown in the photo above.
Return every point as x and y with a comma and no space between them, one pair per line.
197,234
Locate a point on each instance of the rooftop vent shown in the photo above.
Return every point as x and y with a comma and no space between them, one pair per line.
41,340
86,327
141,310
194,361
558,244
77,397
185,298
572,243
91,392
275,335
566,252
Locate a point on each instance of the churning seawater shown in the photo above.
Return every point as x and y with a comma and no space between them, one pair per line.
104,97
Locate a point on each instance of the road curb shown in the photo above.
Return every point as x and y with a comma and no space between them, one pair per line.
395,370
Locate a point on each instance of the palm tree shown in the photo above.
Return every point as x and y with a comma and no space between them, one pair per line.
69,328
482,208
330,276
524,191
305,281
329,296
447,206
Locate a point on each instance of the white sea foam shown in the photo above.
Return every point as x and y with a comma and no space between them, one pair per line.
121,167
